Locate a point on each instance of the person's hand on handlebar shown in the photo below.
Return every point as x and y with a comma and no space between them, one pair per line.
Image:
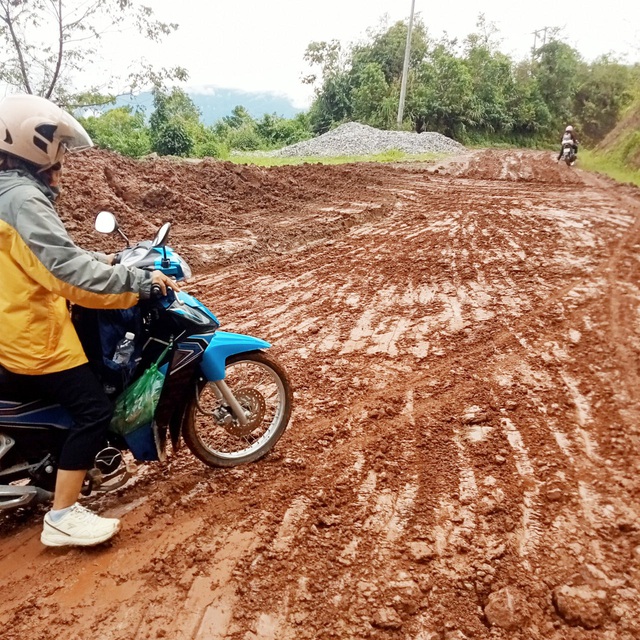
164,282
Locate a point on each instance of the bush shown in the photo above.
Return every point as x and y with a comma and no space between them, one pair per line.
246,138
211,149
277,132
173,139
119,130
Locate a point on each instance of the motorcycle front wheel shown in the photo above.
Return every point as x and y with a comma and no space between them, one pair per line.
262,388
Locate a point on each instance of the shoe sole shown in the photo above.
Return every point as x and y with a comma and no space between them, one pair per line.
56,540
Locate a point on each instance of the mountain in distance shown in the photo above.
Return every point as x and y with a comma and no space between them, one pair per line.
215,103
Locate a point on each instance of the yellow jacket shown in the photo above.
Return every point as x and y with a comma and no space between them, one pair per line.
41,268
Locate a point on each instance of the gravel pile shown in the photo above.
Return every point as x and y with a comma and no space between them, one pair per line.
355,139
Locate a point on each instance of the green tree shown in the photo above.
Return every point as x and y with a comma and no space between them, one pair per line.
239,118
174,104
327,57
492,80
332,104
46,43
376,72
245,138
441,98
531,116
173,139
472,92
387,50
363,83
371,95
557,71
604,90
206,144
119,130
173,123
238,130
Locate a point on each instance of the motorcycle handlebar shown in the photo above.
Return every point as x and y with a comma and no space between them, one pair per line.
156,292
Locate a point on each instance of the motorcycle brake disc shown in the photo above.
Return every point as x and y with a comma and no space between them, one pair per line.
252,401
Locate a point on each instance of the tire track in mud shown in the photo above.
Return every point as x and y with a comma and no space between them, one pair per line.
364,336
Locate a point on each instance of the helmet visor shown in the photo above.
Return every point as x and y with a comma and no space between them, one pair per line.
71,136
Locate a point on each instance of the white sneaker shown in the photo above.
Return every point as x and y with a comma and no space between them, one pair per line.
79,527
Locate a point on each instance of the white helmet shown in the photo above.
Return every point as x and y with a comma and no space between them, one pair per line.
569,129
38,131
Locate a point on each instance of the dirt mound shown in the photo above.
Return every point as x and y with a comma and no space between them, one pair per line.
222,211
464,455
522,166
218,209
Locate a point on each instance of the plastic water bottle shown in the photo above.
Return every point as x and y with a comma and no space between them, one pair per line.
124,350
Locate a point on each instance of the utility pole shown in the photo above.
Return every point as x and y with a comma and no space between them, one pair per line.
405,66
543,31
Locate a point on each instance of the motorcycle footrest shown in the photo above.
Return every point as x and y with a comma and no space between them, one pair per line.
114,480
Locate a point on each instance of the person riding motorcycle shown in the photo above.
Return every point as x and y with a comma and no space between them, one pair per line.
40,352
568,136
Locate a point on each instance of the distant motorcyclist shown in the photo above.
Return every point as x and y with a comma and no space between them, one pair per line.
568,136
41,268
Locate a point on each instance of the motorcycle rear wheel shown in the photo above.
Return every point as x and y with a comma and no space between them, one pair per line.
262,388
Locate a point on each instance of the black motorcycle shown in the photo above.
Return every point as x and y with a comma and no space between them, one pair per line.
568,153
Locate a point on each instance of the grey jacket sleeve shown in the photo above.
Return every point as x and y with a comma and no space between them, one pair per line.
83,278
98,255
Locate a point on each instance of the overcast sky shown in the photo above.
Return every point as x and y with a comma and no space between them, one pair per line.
258,45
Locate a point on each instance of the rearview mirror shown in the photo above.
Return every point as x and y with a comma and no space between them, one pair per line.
106,222
162,235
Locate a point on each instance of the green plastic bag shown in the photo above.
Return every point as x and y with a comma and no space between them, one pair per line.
136,405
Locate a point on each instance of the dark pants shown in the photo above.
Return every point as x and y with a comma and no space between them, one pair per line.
81,394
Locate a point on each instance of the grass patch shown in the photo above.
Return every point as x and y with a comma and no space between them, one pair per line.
602,163
387,156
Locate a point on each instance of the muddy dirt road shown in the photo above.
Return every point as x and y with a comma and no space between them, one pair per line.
463,459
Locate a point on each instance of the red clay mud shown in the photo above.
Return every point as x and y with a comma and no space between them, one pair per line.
463,340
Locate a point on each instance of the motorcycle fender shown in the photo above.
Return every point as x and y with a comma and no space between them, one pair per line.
223,345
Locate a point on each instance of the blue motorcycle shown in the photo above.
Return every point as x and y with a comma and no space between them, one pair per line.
220,393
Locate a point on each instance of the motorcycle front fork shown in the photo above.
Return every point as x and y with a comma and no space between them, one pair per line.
224,394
